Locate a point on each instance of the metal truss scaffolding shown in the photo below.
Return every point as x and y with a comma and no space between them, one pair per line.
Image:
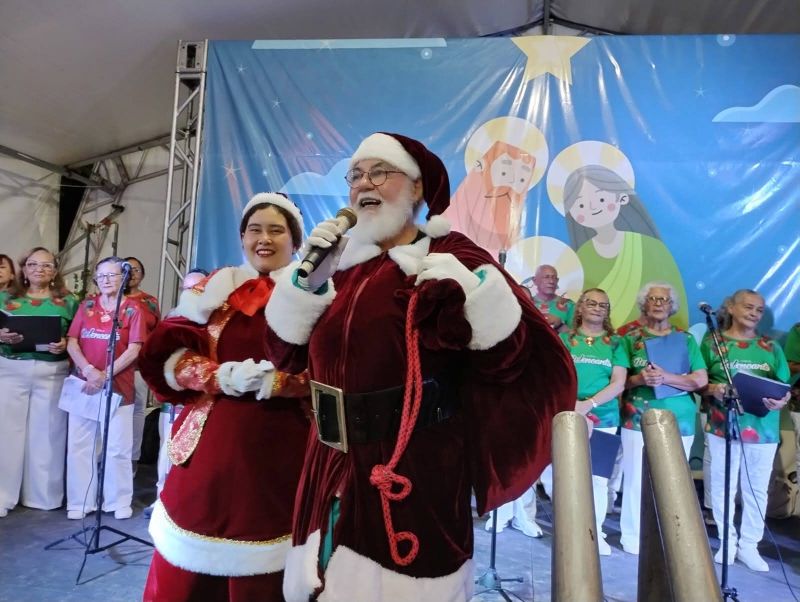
177,245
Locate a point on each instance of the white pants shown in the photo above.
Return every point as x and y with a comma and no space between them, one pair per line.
629,520
758,463
796,420
83,452
33,433
706,463
139,414
165,420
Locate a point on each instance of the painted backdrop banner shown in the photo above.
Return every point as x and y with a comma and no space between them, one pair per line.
619,160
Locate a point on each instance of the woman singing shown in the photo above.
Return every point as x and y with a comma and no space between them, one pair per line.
657,301
758,436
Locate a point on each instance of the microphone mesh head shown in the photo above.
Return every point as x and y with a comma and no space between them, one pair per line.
349,214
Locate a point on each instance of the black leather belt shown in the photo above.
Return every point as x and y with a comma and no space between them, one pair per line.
374,416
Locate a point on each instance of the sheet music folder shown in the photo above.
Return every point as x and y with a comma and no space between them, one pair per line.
671,354
752,389
603,448
35,330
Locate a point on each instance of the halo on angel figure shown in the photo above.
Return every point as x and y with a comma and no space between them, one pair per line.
587,152
529,253
514,131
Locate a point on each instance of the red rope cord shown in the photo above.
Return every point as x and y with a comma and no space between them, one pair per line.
383,476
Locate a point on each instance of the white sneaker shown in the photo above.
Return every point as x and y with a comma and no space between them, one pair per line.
529,528
631,548
752,559
76,514
731,555
3,512
123,513
602,547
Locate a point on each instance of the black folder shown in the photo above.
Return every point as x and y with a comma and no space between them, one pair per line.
752,389
35,330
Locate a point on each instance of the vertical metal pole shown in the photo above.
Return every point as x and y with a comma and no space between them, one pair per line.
683,535
575,561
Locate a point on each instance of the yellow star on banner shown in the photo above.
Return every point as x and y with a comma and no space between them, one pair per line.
549,54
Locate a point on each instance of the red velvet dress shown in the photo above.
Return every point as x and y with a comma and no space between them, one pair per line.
497,444
223,522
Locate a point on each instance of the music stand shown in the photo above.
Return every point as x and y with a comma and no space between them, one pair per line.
92,544
491,580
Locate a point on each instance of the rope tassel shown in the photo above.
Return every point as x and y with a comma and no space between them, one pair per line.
383,476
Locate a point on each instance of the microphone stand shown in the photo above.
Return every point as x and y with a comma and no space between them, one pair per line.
732,409
92,544
490,580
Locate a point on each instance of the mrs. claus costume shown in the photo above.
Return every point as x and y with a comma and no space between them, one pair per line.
226,507
485,423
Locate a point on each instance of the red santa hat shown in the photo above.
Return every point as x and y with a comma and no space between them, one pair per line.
415,160
278,199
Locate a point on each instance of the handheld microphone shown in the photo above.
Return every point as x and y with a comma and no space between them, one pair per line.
706,308
346,218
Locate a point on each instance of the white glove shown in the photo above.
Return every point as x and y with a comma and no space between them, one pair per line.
323,236
237,378
441,266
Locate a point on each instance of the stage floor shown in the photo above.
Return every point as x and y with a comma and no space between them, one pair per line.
28,573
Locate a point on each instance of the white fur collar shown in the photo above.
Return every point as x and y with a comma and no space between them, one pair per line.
405,256
197,306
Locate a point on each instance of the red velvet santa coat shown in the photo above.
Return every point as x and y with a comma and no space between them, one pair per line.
227,509
513,376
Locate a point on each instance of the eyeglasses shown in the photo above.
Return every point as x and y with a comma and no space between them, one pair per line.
32,265
375,176
593,303
107,276
659,300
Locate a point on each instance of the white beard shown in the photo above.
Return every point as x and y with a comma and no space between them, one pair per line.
374,227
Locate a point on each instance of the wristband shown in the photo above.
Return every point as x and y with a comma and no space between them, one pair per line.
594,403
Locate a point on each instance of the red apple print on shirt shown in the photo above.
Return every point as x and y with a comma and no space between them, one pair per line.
561,304
35,302
749,435
59,302
742,344
717,416
765,344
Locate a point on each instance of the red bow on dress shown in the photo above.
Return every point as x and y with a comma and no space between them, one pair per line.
251,296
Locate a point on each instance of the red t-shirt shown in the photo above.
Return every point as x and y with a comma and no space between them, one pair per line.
92,328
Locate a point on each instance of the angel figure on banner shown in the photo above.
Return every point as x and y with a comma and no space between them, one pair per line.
592,185
505,157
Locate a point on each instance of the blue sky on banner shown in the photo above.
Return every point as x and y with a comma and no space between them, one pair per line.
698,133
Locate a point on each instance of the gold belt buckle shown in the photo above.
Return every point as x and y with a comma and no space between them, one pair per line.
327,402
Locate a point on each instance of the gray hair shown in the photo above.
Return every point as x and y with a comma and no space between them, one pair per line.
641,296
724,318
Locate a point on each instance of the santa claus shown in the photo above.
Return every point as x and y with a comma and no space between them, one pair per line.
433,376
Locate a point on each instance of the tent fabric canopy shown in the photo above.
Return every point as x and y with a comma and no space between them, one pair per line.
87,77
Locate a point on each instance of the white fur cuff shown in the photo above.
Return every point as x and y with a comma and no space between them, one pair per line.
169,369
292,312
301,578
491,309
215,555
351,577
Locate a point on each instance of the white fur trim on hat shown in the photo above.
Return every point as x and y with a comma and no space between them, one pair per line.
389,149
281,201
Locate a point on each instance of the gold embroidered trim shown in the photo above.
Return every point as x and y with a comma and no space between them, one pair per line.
216,324
181,447
225,540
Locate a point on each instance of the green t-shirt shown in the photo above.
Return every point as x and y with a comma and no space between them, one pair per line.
594,359
643,398
27,306
792,350
759,356
562,307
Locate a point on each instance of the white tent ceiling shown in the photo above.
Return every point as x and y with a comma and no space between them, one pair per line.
85,77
